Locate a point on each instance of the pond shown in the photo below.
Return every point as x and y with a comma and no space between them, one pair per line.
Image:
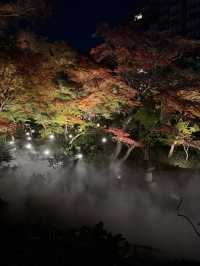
34,186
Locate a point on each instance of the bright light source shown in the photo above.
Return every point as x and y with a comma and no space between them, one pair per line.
28,146
104,140
98,125
11,142
27,134
32,131
46,152
70,136
29,138
141,71
51,137
138,17
79,156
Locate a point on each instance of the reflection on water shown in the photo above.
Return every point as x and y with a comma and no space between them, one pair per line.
127,199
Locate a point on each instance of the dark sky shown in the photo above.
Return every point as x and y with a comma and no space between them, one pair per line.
75,20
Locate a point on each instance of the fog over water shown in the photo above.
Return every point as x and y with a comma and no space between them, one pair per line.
83,194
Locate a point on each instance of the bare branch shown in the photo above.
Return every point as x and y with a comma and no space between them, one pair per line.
179,214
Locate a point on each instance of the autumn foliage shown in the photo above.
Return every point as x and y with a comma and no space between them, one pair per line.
53,87
120,135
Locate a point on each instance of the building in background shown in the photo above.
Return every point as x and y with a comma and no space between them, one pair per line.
180,17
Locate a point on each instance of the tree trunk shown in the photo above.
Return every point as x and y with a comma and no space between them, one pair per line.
127,154
117,151
171,150
66,132
186,149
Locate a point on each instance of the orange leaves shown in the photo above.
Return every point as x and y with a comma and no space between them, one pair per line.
73,120
192,95
87,103
101,52
84,73
97,84
6,126
158,67
59,87
145,50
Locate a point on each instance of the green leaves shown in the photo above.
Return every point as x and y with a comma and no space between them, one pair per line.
109,108
146,117
15,113
185,128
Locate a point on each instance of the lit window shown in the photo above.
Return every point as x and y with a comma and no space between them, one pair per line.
138,17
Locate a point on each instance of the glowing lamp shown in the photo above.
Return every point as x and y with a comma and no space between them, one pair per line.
46,152
28,146
104,140
79,156
51,137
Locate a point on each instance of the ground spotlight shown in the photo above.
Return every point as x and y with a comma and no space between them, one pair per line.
79,156
28,146
104,140
46,152
51,137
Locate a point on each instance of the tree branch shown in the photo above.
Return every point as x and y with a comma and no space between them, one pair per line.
127,154
18,14
179,214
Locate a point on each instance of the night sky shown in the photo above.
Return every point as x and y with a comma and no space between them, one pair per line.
75,21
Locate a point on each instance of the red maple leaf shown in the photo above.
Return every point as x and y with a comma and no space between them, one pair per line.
124,137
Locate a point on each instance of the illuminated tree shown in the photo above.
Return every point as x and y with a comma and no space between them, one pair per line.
183,137
10,84
164,71
55,89
122,137
142,84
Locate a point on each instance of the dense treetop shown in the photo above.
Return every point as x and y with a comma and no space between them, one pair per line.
149,79
52,86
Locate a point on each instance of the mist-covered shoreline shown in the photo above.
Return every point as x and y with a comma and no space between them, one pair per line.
80,194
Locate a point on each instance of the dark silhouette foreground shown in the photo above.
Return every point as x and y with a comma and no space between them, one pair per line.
38,244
